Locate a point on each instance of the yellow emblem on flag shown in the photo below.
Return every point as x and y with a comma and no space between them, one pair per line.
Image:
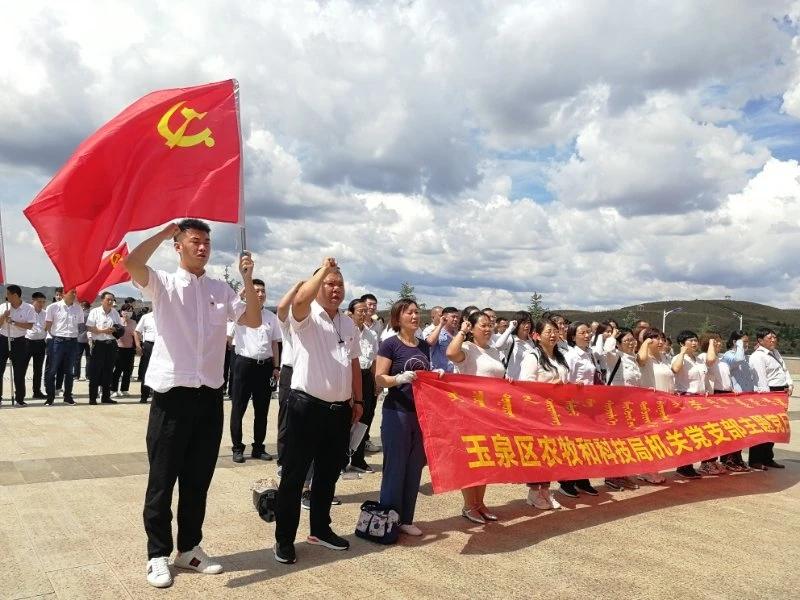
179,137
115,258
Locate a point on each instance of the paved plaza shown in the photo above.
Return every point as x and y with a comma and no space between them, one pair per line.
72,481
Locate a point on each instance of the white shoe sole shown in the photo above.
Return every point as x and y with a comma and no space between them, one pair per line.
160,584
315,541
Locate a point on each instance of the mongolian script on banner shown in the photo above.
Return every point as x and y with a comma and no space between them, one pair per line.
480,430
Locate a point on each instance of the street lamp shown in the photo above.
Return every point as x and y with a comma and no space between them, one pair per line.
741,319
664,318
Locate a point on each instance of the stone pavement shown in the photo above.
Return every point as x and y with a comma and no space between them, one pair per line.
72,480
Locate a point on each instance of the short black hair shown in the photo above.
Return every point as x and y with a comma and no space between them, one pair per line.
763,332
684,335
259,282
352,306
107,293
37,295
734,337
59,290
369,296
186,224
14,289
449,309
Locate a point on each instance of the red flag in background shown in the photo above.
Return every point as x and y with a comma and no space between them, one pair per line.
174,153
111,272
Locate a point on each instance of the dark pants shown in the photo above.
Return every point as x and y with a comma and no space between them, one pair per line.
250,380
123,369
403,461
144,361
370,400
60,360
36,351
104,355
284,387
19,361
763,453
316,431
83,349
226,370
183,436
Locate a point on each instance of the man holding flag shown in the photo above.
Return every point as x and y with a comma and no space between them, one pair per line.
185,373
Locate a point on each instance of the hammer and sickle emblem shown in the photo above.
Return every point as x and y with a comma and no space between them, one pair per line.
115,258
178,137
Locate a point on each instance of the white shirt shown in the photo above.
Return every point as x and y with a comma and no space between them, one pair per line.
520,349
64,319
658,375
483,362
191,315
368,346
628,374
102,320
427,331
692,377
256,342
147,327
287,356
37,331
230,331
321,363
378,326
719,375
582,365
769,368
531,369
24,313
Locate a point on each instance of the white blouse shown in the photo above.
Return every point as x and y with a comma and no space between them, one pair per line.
658,375
520,348
483,362
693,376
629,373
531,369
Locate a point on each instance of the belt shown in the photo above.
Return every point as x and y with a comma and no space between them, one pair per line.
64,338
255,361
105,341
314,400
148,342
778,388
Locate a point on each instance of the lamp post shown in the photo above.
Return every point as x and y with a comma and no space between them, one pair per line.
664,318
741,319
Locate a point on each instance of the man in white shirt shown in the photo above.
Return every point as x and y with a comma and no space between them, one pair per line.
771,375
144,337
61,322
100,323
436,317
185,372
287,362
83,345
16,319
255,369
36,345
324,402
374,321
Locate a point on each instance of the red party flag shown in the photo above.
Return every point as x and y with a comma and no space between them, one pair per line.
111,272
174,153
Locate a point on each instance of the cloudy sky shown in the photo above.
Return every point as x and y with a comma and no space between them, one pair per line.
602,153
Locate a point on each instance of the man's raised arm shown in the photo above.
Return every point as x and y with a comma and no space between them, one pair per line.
136,262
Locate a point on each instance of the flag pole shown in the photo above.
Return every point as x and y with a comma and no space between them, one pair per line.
242,230
3,279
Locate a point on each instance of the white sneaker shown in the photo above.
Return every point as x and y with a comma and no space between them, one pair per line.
538,499
158,574
124,394
371,446
554,504
117,394
197,560
410,529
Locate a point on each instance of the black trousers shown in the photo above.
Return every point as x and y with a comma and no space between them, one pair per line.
316,431
19,362
58,366
144,362
250,380
226,370
101,369
83,348
123,369
36,351
762,453
183,436
49,357
284,387
370,400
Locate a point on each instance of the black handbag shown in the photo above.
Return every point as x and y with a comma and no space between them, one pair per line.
265,498
378,523
117,331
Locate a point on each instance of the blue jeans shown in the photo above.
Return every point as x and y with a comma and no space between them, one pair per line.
62,359
403,461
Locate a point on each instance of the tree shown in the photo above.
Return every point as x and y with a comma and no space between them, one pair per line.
535,306
407,293
234,283
629,320
706,326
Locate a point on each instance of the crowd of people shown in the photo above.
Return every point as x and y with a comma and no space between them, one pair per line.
330,367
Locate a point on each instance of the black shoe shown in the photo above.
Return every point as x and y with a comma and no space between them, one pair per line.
143,401
69,401
23,403
284,553
262,455
39,396
305,500
92,401
569,490
238,456
108,401
585,486
757,467
335,501
329,540
361,468
48,402
688,472
773,465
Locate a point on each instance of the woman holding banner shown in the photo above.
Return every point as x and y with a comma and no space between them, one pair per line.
472,353
545,364
398,359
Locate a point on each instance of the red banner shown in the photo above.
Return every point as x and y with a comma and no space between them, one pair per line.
480,430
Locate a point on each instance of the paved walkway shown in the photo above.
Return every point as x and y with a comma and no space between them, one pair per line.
72,481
